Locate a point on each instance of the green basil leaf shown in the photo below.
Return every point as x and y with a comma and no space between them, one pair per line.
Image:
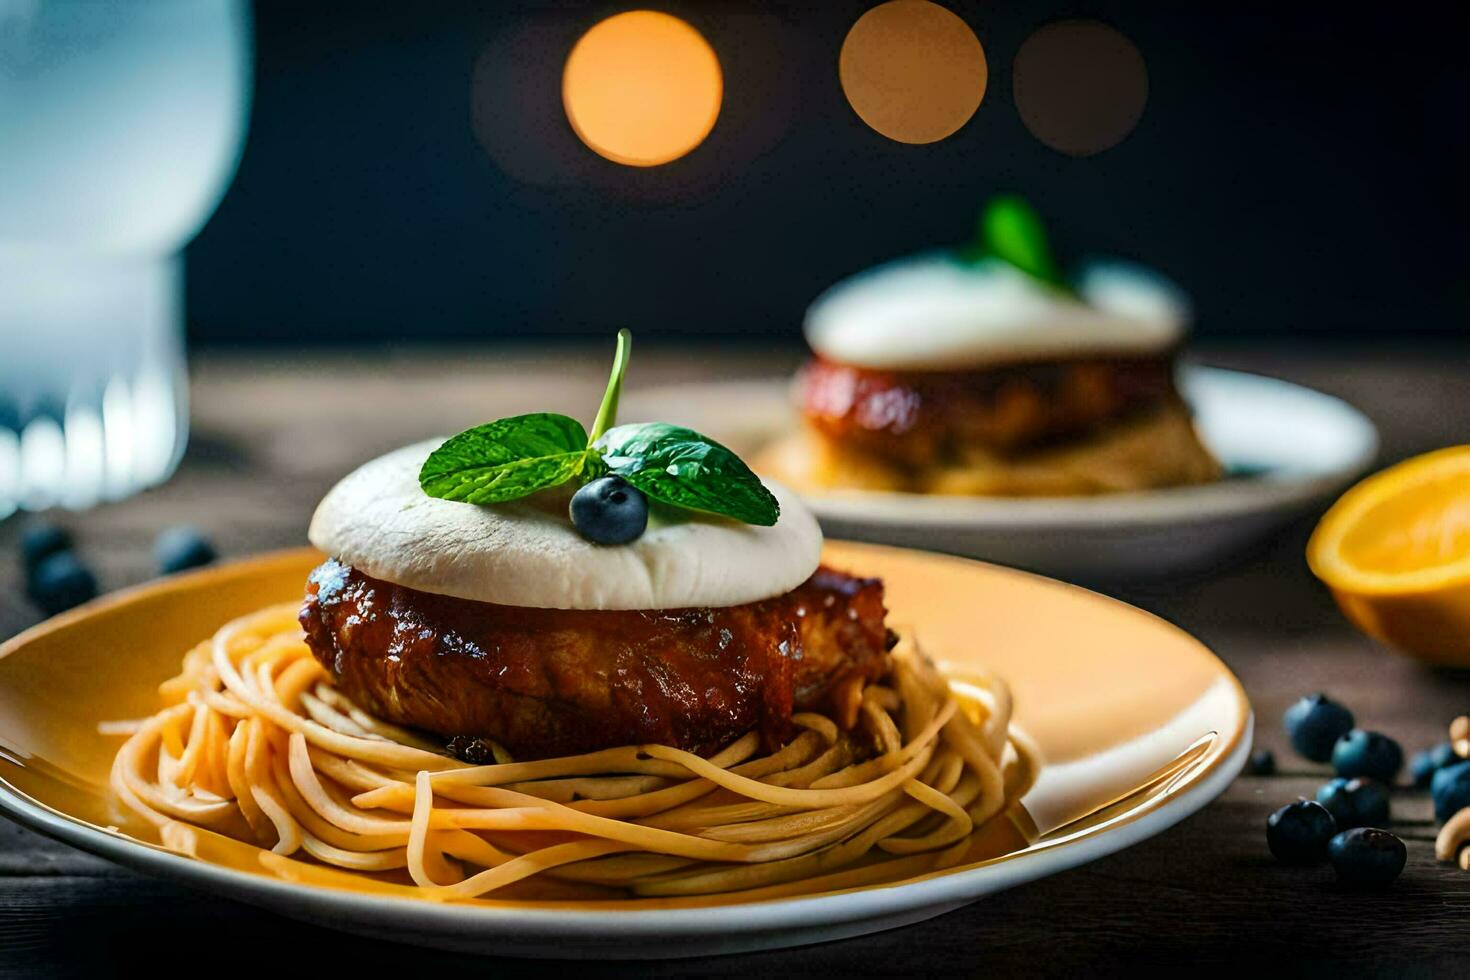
607,412
506,459
679,466
1012,231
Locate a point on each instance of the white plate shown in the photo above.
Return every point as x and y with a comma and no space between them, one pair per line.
1289,449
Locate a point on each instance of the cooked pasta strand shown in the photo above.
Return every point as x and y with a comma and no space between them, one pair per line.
254,741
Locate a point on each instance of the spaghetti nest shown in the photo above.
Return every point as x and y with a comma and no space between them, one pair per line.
257,744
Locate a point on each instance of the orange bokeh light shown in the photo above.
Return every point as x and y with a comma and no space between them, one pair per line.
913,70
642,88
1080,86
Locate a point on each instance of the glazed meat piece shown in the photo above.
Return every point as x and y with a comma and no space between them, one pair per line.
922,418
549,682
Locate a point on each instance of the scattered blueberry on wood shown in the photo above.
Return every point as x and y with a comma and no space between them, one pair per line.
1425,764
1345,822
59,582
41,540
1367,856
1298,832
1262,763
1355,802
180,548
1314,724
1450,788
1370,754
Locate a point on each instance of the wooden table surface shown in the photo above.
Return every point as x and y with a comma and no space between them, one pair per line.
272,432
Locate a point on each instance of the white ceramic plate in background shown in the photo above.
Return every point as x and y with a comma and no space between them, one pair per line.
1289,450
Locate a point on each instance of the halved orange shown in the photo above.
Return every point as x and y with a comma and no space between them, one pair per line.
1395,551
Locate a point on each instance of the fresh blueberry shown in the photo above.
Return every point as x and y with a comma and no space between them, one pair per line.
1423,765
1262,763
610,510
1367,856
1298,832
1314,724
61,581
1355,802
1450,789
179,548
41,540
1360,753
1371,800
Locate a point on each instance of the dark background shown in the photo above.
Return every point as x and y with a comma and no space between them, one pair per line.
409,176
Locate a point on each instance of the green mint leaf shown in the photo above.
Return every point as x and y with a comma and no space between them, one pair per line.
679,466
1012,231
607,412
506,459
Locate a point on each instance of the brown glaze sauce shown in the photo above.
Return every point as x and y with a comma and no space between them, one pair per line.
550,682
917,418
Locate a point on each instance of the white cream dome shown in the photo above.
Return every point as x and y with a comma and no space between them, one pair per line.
934,312
526,553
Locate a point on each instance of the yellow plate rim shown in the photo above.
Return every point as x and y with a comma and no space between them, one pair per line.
686,931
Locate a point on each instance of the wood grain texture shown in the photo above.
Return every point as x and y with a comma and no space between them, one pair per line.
271,433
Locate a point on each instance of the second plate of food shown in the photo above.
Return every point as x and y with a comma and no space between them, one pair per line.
1285,449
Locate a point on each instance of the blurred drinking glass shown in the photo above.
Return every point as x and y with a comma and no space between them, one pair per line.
120,127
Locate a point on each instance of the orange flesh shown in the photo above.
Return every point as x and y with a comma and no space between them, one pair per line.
1425,526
